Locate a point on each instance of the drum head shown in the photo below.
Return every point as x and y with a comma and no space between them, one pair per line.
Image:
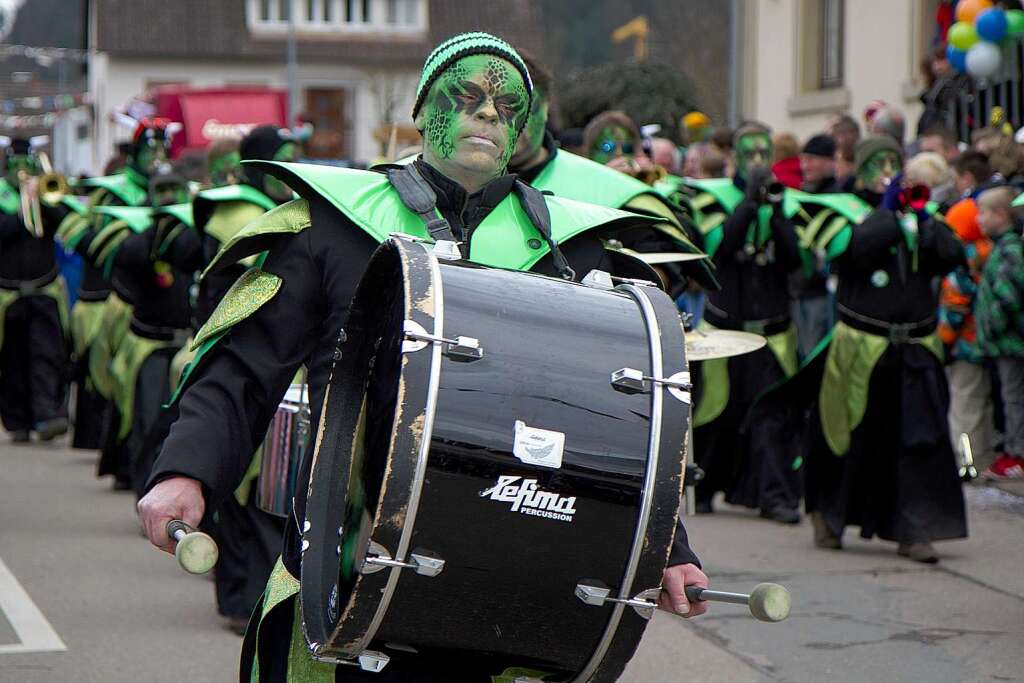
352,460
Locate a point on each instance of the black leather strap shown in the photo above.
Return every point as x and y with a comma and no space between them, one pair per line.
536,209
419,197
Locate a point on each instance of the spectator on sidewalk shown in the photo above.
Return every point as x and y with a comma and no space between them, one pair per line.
1000,317
970,386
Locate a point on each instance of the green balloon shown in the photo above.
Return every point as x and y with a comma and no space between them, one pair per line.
962,35
1014,22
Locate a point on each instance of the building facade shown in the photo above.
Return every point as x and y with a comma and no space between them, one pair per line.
358,61
804,60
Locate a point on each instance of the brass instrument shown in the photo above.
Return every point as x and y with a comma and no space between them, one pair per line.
50,187
651,175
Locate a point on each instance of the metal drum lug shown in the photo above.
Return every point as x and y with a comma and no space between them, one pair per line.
596,593
447,250
406,237
633,381
368,660
598,279
423,562
460,349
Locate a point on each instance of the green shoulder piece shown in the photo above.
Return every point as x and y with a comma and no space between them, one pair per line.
121,186
1019,201
207,201
181,212
253,289
9,199
722,189
507,238
137,218
75,205
572,177
287,219
851,206
669,185
228,218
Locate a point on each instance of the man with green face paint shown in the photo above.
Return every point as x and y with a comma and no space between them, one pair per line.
750,237
539,162
33,298
879,453
471,105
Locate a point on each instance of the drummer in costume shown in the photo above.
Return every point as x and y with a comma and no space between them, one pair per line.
92,312
539,162
249,538
471,104
33,297
750,237
880,456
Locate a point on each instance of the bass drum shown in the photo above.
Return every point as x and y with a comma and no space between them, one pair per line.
487,489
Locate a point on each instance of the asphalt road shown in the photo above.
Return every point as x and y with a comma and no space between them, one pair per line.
84,598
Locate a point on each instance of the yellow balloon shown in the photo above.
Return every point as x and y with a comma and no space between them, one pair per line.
968,10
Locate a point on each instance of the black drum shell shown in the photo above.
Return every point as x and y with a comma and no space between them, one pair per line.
507,590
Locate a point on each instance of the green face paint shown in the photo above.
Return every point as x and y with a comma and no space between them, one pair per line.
612,141
274,188
752,151
224,170
879,168
477,99
150,156
533,134
16,163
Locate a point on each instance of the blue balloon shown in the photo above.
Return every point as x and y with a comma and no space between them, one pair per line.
991,25
957,58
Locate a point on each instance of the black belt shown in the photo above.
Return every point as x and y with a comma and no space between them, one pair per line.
159,332
93,295
765,328
29,286
898,333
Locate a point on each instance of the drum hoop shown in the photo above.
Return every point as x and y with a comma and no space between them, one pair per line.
650,473
416,486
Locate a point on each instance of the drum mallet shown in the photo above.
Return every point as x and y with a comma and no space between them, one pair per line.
767,602
196,551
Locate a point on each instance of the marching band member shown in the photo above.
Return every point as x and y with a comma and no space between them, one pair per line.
471,105
33,300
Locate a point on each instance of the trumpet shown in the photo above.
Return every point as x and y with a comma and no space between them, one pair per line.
50,187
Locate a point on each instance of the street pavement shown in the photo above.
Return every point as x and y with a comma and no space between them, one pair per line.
83,597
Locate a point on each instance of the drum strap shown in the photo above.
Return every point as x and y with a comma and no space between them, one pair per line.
420,198
536,208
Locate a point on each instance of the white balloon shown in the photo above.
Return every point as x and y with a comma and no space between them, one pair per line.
983,59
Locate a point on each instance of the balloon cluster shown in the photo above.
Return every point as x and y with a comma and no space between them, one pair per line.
975,37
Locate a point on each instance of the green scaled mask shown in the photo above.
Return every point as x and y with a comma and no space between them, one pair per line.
754,150
475,108
225,169
19,163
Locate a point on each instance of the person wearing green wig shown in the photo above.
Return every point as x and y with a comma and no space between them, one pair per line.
471,105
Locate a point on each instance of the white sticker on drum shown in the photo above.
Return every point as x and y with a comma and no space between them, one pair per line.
535,446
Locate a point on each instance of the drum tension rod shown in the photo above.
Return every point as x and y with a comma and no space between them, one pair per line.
368,660
460,349
632,381
423,562
597,594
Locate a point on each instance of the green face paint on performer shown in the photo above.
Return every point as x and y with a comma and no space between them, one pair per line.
881,167
472,116
753,151
274,188
532,137
612,142
16,163
225,169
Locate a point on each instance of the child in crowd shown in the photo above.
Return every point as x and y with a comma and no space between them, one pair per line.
970,389
999,312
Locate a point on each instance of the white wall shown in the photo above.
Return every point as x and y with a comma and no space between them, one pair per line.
115,81
879,63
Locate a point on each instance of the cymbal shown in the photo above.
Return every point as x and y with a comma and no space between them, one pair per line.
655,257
711,344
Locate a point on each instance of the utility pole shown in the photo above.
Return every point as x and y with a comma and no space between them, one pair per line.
293,64
734,63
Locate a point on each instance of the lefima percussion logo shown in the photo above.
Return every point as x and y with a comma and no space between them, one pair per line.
527,498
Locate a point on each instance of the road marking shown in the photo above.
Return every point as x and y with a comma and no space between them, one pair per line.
31,626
